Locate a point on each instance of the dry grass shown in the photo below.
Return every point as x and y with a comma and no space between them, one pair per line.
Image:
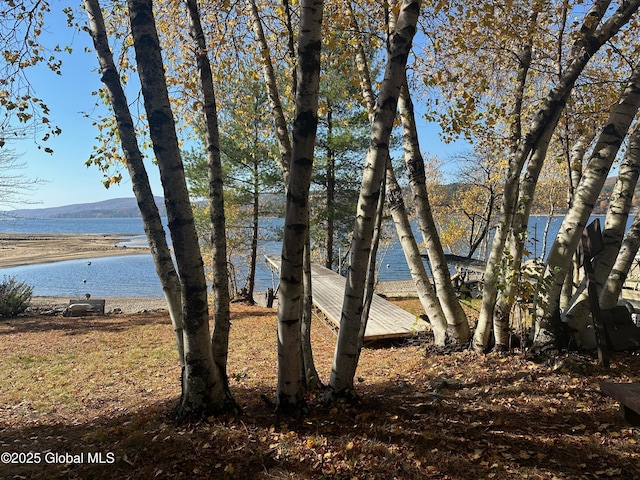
106,385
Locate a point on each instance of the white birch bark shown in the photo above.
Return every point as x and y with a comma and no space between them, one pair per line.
458,326
369,98
268,72
516,243
576,158
284,145
626,257
528,184
311,379
347,347
591,39
595,173
290,389
220,283
204,391
492,274
362,65
152,223
370,282
427,296
578,314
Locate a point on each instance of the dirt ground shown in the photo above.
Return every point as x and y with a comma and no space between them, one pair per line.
90,398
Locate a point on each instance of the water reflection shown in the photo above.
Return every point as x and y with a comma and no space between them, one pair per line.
127,276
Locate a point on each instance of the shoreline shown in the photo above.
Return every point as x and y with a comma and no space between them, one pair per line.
121,304
20,249
389,289
23,249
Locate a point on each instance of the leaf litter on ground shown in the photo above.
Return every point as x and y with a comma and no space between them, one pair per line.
107,385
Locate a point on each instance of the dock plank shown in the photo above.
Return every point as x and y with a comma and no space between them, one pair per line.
386,320
628,394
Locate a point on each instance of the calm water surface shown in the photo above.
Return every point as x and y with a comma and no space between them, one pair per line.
135,275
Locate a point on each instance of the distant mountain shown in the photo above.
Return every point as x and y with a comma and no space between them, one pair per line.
115,208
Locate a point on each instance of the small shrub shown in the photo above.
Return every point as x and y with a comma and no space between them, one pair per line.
14,297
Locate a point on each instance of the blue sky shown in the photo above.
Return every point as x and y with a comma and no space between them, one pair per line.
65,178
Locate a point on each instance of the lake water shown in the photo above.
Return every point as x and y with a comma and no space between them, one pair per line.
135,276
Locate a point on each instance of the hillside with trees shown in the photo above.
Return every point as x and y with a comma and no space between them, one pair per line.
604,200
115,208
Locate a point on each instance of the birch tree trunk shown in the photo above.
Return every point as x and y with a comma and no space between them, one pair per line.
518,233
368,95
255,228
427,296
492,274
151,221
628,251
311,379
370,282
575,283
347,347
576,157
222,315
284,145
578,314
205,390
290,391
517,237
458,326
277,112
425,291
588,43
362,65
548,320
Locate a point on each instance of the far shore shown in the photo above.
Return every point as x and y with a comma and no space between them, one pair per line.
18,249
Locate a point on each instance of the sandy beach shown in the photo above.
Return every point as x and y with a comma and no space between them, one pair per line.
112,304
18,249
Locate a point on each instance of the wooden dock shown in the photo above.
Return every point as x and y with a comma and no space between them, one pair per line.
386,320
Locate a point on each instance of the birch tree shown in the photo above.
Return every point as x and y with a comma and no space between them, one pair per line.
577,314
395,202
281,130
296,227
609,141
533,146
220,282
426,295
414,162
204,386
501,108
528,186
348,345
155,233
624,261
484,104
277,110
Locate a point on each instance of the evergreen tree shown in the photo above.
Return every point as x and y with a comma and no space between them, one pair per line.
250,174
343,136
